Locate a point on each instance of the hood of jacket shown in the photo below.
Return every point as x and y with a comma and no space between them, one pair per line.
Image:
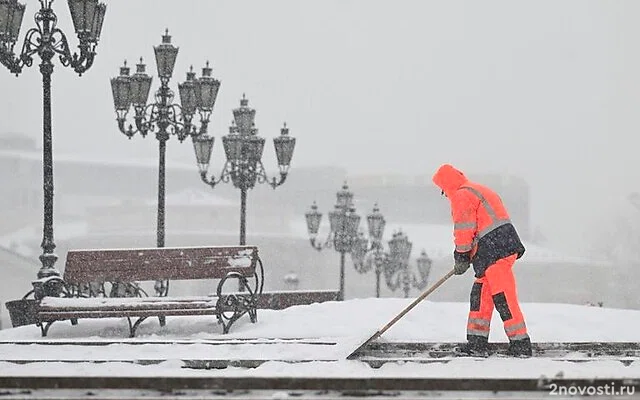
449,179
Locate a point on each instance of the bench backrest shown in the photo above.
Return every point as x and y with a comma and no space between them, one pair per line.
173,263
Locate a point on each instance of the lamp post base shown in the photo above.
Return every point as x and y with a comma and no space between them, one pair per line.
49,282
52,286
48,261
47,268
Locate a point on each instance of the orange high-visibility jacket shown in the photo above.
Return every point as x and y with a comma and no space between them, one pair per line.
483,232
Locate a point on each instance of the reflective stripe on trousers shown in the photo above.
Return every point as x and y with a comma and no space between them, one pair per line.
496,289
478,327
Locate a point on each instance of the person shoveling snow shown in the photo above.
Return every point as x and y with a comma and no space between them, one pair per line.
485,237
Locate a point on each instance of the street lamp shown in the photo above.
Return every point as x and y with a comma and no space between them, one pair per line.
243,149
343,229
399,254
47,40
162,116
394,264
365,256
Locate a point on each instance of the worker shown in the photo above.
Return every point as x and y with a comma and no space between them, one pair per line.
485,237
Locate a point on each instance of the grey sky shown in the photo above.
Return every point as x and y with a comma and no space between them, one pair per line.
547,90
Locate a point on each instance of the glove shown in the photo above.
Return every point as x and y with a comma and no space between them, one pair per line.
461,267
462,262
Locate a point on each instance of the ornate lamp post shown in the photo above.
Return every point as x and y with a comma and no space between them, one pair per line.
343,229
162,116
243,149
365,256
47,41
398,266
395,263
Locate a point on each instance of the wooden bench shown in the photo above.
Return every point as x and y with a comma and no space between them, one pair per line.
88,273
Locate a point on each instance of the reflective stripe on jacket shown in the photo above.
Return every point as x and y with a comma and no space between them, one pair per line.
482,227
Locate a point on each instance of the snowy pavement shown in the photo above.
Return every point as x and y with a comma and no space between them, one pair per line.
321,335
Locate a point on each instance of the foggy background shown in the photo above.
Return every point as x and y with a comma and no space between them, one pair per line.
545,92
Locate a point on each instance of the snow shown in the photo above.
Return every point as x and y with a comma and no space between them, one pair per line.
101,302
326,333
243,258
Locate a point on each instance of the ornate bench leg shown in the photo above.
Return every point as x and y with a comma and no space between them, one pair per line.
227,326
44,327
132,328
250,304
238,305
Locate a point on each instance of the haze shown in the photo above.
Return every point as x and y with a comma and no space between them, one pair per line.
546,90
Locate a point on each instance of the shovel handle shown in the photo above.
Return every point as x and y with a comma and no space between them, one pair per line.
415,303
406,310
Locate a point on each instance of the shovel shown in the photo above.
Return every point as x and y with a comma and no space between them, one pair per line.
402,313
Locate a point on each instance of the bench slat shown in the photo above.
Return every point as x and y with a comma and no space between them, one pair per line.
125,265
46,315
111,303
71,301
139,306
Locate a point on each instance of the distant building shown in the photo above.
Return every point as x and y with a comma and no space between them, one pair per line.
189,210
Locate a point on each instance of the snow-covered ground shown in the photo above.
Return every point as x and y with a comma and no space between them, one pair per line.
346,324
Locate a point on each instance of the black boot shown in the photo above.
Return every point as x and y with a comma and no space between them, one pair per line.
476,346
520,348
